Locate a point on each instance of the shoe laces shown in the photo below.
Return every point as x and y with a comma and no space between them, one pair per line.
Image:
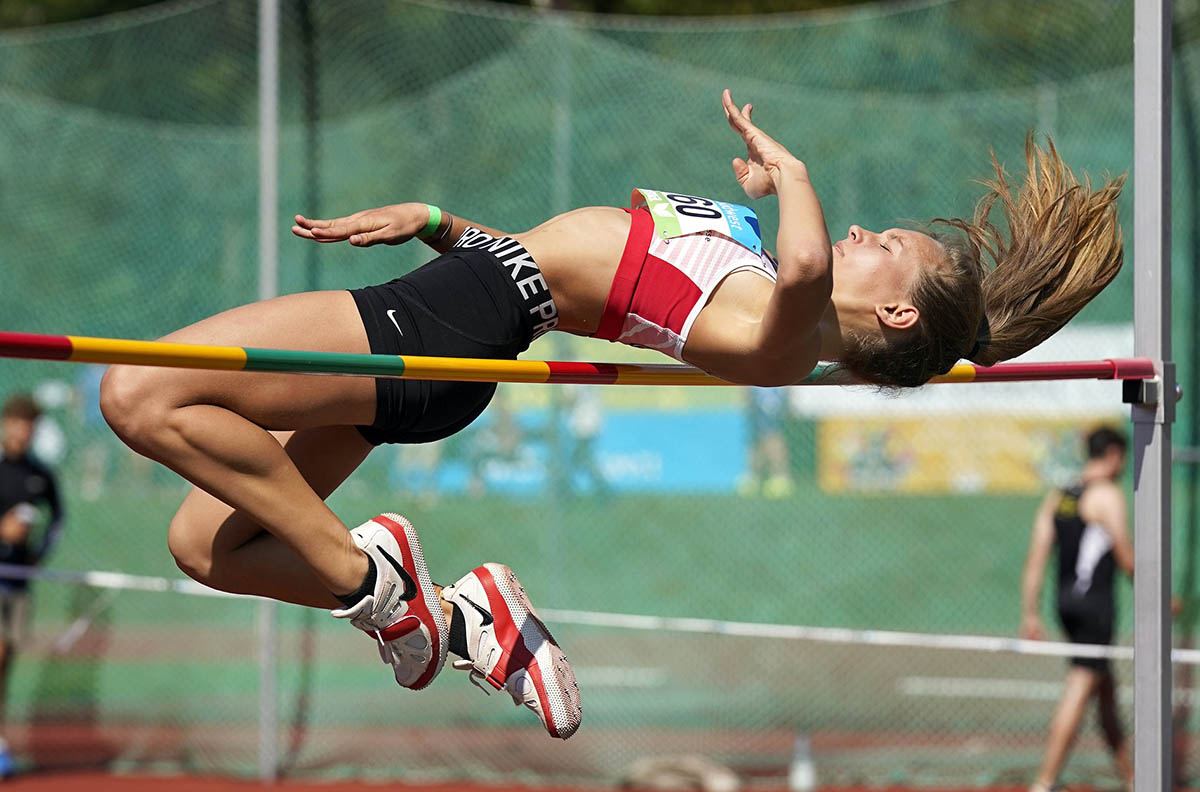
474,674
478,677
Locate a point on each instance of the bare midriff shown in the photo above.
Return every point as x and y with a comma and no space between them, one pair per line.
578,253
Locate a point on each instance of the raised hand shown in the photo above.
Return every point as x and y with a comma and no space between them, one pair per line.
764,156
390,225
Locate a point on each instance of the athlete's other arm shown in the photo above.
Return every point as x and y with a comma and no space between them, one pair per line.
1104,503
1041,542
785,343
388,225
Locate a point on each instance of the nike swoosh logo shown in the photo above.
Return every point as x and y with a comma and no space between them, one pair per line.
410,585
392,315
487,617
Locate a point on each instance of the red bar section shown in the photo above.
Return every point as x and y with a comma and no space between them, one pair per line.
582,373
34,347
1112,368
1133,368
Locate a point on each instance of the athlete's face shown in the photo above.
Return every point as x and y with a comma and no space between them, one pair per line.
1114,458
873,274
18,435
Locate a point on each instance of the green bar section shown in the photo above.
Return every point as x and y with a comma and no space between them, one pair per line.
817,373
322,362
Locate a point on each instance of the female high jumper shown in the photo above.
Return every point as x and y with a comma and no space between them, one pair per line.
682,274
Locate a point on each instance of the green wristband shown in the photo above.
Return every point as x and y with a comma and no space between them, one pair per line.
435,220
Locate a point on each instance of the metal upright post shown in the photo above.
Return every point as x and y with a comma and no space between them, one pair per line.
1154,400
558,476
268,286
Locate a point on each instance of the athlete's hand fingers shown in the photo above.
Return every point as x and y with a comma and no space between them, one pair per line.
760,147
345,227
370,238
739,120
312,222
304,226
741,170
732,114
325,234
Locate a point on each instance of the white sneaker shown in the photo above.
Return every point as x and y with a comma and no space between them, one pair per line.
404,613
512,650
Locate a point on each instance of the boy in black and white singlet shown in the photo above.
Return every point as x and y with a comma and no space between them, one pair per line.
1086,607
1086,524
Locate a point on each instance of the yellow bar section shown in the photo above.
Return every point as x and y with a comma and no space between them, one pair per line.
156,353
962,372
475,369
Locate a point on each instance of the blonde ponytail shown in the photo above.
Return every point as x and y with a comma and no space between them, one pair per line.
1063,247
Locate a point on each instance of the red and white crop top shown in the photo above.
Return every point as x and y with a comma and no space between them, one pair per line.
680,248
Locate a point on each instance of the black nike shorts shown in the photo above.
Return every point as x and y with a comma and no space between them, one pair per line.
1087,620
483,299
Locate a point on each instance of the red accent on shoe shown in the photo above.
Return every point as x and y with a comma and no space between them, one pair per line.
417,606
507,634
401,628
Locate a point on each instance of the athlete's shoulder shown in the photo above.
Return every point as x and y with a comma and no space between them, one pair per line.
1100,499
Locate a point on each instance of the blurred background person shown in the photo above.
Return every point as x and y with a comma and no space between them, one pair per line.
585,419
27,490
498,441
1086,524
414,469
770,466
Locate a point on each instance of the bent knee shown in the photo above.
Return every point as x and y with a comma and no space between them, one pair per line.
133,402
191,548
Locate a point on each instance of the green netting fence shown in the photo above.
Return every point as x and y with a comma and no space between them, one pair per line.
128,168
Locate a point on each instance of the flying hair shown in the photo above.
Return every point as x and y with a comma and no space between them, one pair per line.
1063,246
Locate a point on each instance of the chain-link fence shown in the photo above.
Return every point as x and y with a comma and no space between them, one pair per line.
128,165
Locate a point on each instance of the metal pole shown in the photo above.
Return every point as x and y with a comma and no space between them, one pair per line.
268,148
268,286
1153,410
312,149
558,477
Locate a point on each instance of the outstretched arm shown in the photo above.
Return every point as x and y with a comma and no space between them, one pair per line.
787,335
389,225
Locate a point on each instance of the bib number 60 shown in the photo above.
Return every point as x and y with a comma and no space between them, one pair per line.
693,206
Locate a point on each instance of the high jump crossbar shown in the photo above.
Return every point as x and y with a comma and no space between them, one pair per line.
82,349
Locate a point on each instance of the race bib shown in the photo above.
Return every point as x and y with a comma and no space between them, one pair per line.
676,214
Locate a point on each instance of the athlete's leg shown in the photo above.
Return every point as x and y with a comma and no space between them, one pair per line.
212,427
1081,683
1110,726
222,548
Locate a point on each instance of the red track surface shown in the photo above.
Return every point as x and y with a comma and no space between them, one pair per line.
99,782
95,782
